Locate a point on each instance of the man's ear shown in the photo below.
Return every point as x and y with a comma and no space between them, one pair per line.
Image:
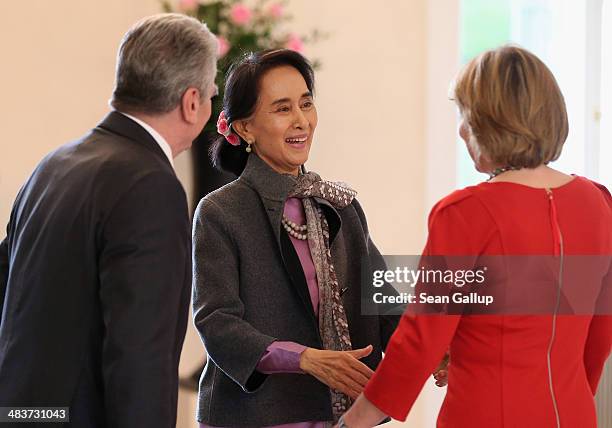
190,105
241,127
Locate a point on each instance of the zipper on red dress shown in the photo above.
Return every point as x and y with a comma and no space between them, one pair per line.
556,231
558,251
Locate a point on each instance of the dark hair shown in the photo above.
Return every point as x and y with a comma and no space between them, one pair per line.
241,93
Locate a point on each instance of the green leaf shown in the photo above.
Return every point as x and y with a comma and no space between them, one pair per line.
210,13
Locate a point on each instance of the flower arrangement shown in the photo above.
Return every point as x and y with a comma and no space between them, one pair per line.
242,28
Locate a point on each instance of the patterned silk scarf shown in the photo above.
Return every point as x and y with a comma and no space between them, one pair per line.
333,324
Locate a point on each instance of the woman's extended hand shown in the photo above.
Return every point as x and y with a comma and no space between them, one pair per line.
440,374
340,370
362,414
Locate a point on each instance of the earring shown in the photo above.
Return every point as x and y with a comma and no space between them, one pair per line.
248,147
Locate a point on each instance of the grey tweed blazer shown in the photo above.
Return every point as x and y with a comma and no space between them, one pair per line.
250,290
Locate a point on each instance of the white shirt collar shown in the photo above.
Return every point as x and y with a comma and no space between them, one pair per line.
156,136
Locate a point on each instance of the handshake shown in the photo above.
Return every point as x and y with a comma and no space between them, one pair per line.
343,371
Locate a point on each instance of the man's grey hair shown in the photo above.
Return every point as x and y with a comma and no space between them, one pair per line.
159,58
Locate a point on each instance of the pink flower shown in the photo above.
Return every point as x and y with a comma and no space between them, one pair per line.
233,139
188,5
223,128
276,10
222,125
224,46
240,14
295,43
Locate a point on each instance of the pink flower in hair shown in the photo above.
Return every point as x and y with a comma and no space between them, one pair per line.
224,46
222,125
295,43
233,139
225,129
276,10
240,14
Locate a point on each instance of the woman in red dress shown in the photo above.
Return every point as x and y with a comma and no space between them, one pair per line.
534,370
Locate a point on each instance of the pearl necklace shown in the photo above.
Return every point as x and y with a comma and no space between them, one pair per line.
498,171
298,231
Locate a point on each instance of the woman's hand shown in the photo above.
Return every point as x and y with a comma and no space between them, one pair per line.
440,374
340,370
362,414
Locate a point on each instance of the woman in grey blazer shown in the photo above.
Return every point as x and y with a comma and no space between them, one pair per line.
278,258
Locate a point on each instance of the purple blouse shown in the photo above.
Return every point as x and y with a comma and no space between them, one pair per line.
284,357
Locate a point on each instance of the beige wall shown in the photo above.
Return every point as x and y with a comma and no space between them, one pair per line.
57,75
370,96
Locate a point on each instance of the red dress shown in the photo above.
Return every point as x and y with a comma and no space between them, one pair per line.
499,374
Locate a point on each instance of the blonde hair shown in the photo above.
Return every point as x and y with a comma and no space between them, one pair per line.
513,106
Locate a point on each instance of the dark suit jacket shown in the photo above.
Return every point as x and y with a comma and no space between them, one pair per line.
95,282
250,290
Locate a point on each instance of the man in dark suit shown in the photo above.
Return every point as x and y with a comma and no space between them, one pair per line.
95,270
